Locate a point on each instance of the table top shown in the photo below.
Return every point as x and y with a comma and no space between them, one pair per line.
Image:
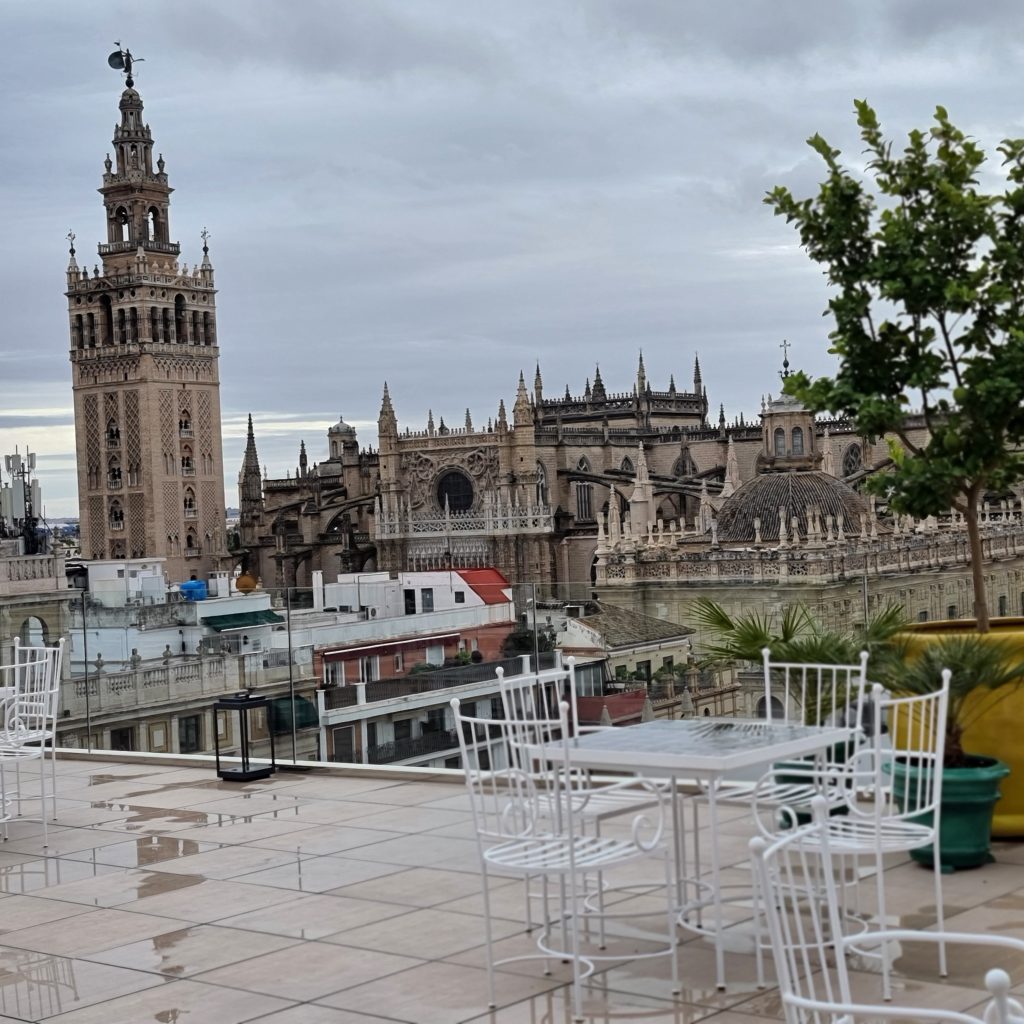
698,746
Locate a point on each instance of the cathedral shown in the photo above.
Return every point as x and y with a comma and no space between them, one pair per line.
144,361
532,493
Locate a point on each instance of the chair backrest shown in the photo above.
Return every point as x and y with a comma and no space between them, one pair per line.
36,678
502,796
800,902
904,766
815,693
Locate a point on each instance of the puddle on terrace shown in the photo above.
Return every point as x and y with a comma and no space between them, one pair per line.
35,985
157,883
102,780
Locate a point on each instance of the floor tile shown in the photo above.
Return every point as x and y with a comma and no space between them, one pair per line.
44,872
320,874
88,933
309,1013
189,950
425,887
227,862
120,886
143,851
309,971
27,911
177,1002
325,839
209,901
314,916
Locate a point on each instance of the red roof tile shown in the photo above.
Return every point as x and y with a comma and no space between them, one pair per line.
489,584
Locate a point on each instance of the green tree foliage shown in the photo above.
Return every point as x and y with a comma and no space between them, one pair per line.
927,277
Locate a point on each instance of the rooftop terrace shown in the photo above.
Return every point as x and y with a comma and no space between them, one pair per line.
334,898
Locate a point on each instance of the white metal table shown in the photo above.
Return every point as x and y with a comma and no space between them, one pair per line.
704,748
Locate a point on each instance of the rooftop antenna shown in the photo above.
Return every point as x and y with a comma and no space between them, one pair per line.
122,60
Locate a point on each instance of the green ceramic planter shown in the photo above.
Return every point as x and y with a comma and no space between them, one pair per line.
969,796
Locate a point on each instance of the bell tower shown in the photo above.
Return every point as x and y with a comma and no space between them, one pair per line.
144,363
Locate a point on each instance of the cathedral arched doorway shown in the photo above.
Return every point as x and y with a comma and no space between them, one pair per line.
778,711
33,632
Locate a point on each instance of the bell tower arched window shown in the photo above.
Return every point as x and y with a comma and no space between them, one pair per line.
113,472
542,485
798,441
107,315
853,460
780,441
180,319
122,225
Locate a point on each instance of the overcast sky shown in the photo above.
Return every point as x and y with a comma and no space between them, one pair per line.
439,194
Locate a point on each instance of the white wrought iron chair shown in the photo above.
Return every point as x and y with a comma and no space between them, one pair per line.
521,836
796,874
807,693
31,686
899,768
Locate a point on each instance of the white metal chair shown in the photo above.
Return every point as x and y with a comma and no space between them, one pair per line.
807,693
899,766
520,834
796,874
31,693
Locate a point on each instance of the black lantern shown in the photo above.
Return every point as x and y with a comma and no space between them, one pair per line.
244,704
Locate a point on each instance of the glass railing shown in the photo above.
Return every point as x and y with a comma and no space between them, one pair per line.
362,669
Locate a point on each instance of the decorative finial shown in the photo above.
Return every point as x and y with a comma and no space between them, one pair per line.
785,359
205,236
122,60
71,243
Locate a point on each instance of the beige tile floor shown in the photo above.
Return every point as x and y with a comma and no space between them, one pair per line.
165,895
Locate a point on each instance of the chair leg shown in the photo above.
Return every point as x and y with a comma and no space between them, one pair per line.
669,890
486,887
574,948
53,772
758,926
940,914
882,919
42,797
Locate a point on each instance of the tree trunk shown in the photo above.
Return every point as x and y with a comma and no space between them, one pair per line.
977,566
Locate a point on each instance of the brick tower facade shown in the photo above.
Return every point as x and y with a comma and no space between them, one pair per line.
144,362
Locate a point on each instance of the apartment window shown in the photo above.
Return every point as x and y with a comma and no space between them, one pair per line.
452,762
497,711
668,662
334,673
399,662
409,597
122,739
435,654
1002,605
435,720
427,599
189,729
643,669
403,729
460,597
951,611
368,669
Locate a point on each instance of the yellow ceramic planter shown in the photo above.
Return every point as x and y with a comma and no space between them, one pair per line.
999,731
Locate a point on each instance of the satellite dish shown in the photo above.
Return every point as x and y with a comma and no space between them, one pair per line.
116,60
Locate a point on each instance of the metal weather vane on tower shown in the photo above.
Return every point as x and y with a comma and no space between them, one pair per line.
785,346
123,61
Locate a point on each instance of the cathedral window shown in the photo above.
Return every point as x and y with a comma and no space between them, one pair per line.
455,489
584,501
153,224
853,460
208,338
780,441
190,504
542,485
133,324
798,441
90,325
113,434
627,466
180,319
583,465
113,472
167,336
122,232
116,516
122,327
195,326
77,336
154,324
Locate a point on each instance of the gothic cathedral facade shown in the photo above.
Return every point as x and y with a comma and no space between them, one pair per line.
144,362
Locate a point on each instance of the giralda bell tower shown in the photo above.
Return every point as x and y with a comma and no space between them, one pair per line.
144,362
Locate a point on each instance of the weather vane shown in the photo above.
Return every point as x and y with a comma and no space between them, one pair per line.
122,60
71,242
785,346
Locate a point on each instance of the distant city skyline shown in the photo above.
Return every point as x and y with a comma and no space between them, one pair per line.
439,195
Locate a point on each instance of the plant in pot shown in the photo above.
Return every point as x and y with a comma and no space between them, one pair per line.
926,272
984,675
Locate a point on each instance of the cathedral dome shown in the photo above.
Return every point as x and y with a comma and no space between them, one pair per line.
341,427
800,494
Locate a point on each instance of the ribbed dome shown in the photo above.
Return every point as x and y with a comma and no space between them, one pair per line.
341,427
798,493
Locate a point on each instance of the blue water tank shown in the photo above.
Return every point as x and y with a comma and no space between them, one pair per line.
193,590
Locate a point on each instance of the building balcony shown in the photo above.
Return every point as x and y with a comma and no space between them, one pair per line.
430,743
186,432
130,245
114,483
191,513
193,552
113,440
116,524
188,470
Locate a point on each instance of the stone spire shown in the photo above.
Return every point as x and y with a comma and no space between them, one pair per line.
641,376
502,418
303,460
732,472
522,415
698,382
387,423
250,481
671,384
469,423
598,392
430,422
538,387
641,501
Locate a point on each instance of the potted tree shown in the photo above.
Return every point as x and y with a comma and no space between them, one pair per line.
927,298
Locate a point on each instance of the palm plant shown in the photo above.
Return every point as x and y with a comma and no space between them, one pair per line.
984,671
